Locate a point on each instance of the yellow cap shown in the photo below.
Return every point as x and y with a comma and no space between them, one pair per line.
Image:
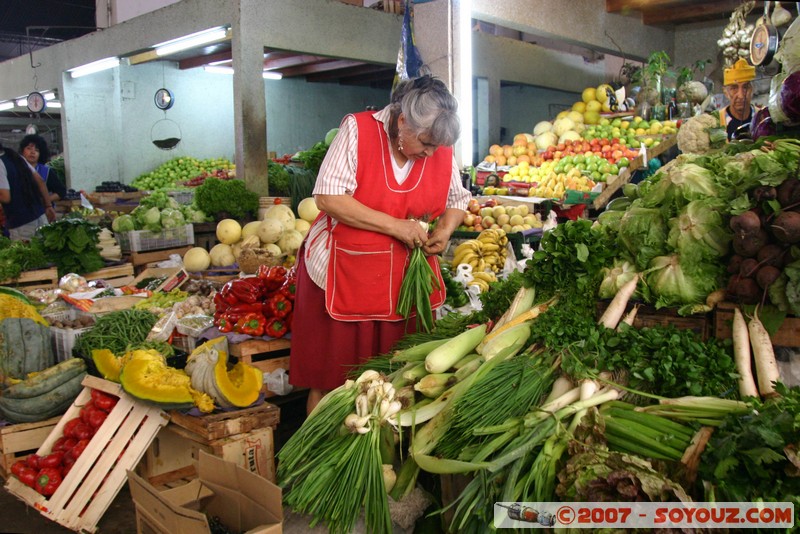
741,72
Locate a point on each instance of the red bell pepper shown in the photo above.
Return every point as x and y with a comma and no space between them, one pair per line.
54,459
275,327
83,431
18,466
251,324
245,292
64,444
273,277
86,411
97,418
32,461
289,288
48,480
225,324
69,427
75,452
220,304
103,400
278,306
27,476
226,294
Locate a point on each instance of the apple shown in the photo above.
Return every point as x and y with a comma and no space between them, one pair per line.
503,219
486,211
469,219
478,220
473,206
523,210
497,211
488,221
516,220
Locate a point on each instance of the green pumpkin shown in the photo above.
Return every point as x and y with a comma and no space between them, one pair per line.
25,347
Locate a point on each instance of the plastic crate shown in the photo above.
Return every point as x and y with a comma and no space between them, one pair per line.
182,197
144,240
63,339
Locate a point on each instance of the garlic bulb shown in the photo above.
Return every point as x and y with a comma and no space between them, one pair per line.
780,15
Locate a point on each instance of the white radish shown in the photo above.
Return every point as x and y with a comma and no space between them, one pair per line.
764,356
629,317
741,355
616,308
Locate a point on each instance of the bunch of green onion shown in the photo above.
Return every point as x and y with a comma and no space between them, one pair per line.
415,291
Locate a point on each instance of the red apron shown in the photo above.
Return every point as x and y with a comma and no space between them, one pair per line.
365,269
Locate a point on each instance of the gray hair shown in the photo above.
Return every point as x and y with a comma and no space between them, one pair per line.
428,107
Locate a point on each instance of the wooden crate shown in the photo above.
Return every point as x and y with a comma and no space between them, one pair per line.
788,335
649,316
37,279
19,441
141,259
116,276
97,476
244,437
266,354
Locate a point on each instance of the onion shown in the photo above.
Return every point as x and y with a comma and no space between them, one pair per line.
762,124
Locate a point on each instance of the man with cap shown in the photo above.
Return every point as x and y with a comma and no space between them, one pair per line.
739,91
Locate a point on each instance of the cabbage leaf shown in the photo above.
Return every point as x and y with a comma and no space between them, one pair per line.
699,233
643,234
672,282
681,184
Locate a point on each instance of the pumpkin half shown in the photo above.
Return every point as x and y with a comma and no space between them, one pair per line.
110,365
241,385
151,381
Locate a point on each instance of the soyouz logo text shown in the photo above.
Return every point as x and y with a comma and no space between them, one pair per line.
705,515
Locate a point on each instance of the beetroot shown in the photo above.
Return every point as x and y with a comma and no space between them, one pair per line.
786,227
767,275
772,254
748,267
746,223
748,245
789,192
747,291
734,264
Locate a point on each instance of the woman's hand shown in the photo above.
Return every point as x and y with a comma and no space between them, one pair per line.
445,226
412,233
50,212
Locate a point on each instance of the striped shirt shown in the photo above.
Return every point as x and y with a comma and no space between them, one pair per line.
337,176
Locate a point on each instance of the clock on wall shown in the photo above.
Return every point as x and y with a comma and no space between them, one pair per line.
164,99
36,102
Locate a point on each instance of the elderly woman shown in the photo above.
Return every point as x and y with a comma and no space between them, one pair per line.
384,171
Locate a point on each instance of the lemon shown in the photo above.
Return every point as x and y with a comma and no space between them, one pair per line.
580,107
601,94
591,116
594,105
588,94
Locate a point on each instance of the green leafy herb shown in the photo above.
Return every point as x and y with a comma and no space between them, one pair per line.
19,256
72,245
229,197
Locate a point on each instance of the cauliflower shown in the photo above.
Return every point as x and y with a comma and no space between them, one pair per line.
701,134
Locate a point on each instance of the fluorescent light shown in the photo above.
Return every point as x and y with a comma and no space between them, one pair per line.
6,105
218,70
267,75
95,66
53,104
191,41
49,96
22,102
465,79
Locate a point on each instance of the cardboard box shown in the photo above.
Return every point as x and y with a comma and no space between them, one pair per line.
244,501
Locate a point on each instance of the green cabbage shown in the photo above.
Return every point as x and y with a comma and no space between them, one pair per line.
192,214
699,233
682,183
123,223
172,218
615,277
148,219
642,234
672,282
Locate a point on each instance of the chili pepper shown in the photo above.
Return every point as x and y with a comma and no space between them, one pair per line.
48,480
278,306
69,427
54,459
27,476
32,461
275,327
245,292
289,288
103,400
251,324
273,277
75,452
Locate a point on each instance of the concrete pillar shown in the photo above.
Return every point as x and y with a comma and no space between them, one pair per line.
249,106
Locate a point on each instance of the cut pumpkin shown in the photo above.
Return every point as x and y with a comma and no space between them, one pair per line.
151,381
107,363
241,385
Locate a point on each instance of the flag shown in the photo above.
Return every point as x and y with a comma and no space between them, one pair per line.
409,60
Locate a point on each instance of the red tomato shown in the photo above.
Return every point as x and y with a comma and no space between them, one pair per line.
69,427
103,400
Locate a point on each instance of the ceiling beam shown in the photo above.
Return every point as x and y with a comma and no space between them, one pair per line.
199,61
359,70
318,67
292,61
691,14
615,6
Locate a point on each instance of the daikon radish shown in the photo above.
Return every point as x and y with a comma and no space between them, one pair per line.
629,317
616,308
764,356
741,354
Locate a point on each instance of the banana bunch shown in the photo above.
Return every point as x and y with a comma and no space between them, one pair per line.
482,279
487,251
